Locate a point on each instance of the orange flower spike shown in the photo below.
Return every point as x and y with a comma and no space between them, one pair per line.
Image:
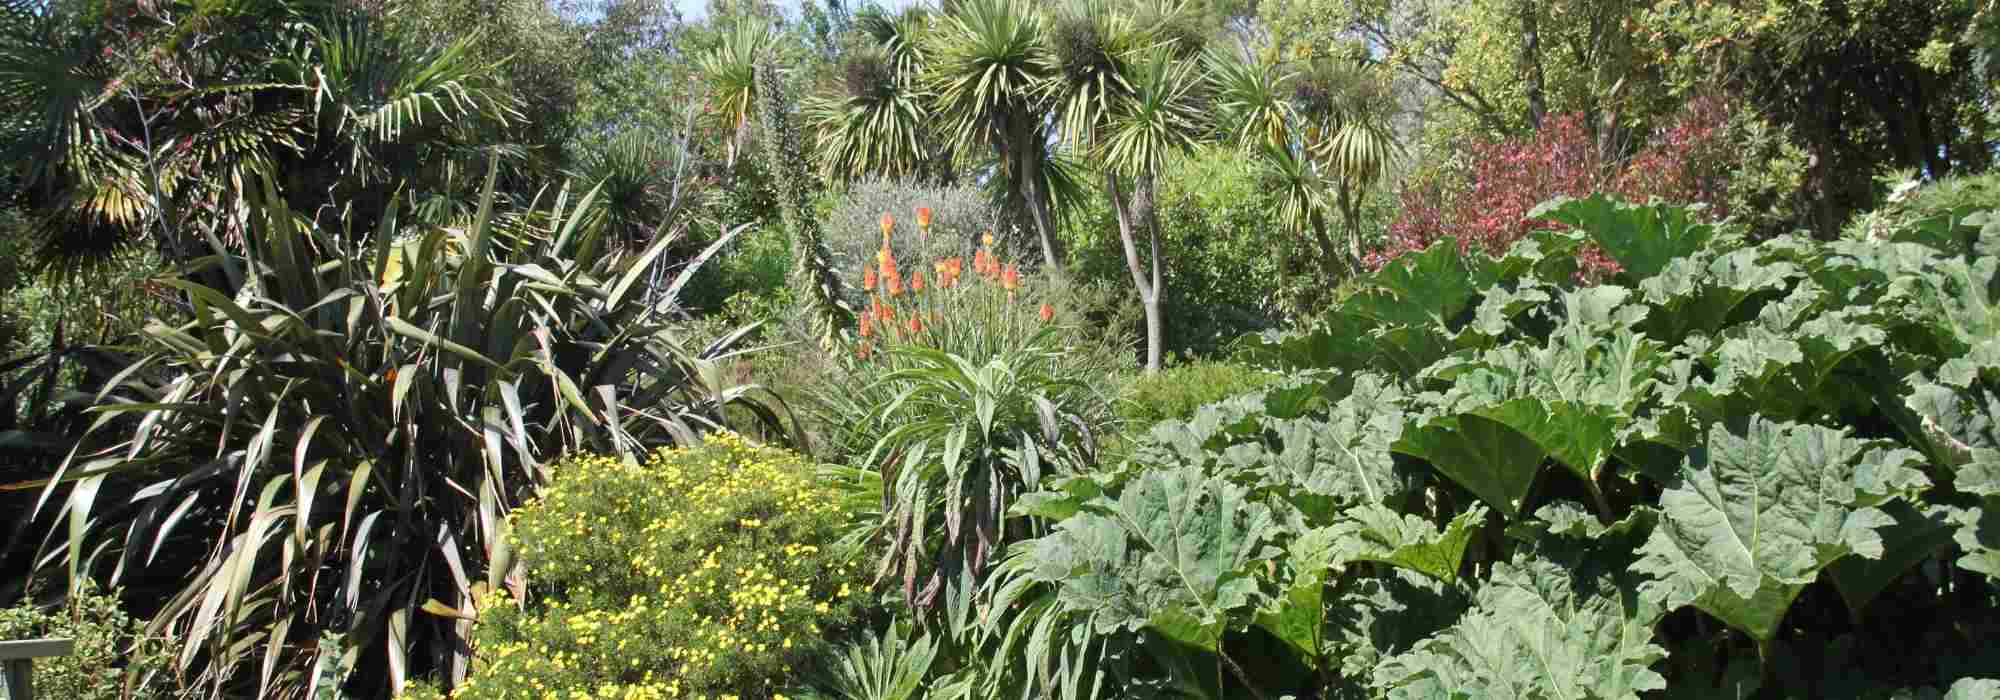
1011,279
868,278
888,225
1048,312
917,283
867,324
916,325
924,219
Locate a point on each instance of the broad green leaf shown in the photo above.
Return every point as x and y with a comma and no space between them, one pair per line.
1974,689
1496,463
1978,535
1957,430
1912,538
1701,294
1643,238
1375,533
1172,552
1372,618
1757,515
1430,287
1346,457
1535,632
1297,615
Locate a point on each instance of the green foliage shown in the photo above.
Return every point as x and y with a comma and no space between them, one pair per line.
889,667
1779,443
977,319
1536,630
1756,519
816,286
1216,227
334,438
113,659
709,569
960,215
960,442
1175,393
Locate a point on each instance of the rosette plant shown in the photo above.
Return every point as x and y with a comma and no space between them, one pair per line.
326,454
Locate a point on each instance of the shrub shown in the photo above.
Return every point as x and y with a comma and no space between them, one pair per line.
1175,393
959,216
1234,269
372,408
973,312
706,570
1711,153
961,393
113,659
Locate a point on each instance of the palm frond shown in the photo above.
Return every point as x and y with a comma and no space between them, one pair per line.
880,123
1163,116
730,70
1091,46
1301,186
990,58
1249,99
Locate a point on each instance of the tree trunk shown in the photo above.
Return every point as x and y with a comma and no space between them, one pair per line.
1038,199
1531,61
1156,321
1350,215
1130,217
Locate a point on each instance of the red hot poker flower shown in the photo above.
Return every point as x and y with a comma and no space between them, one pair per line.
924,219
888,225
1048,312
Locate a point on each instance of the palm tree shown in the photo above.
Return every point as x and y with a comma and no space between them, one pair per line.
1160,119
1120,95
123,146
989,58
730,72
879,122
1322,136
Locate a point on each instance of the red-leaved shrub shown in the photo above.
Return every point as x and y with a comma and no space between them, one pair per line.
1484,197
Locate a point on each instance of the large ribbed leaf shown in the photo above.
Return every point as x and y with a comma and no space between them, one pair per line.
1536,632
1345,458
1758,515
1495,462
1374,533
1643,238
1172,552
1914,537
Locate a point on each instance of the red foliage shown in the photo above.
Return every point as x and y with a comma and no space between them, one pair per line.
1485,202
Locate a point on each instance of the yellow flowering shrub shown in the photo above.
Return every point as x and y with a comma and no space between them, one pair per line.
705,572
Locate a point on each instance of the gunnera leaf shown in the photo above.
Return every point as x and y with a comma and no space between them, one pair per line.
1172,552
1643,238
1375,533
1978,535
1495,462
1913,537
1756,517
1346,457
1535,632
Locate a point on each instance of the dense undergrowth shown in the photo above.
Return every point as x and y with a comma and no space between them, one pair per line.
1734,466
